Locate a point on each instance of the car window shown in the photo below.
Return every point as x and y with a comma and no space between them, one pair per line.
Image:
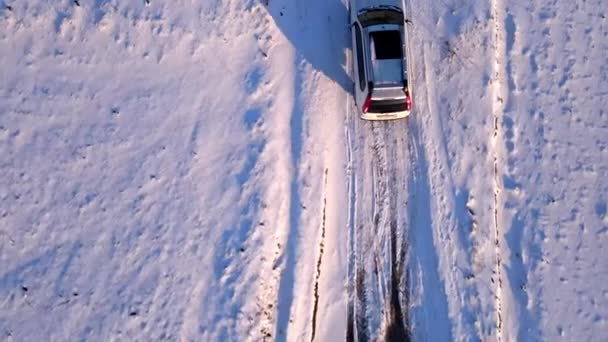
386,44
360,58
381,17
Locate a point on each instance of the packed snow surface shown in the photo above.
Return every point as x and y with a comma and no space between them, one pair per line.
197,171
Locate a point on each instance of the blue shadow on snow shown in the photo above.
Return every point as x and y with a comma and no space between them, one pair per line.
319,32
433,302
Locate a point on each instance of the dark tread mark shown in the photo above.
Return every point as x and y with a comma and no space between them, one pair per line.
350,336
318,274
397,330
361,319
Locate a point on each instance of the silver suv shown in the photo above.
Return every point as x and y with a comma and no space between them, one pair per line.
380,60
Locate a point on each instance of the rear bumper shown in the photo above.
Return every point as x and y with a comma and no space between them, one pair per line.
385,116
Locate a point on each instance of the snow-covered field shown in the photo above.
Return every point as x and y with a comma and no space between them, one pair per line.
196,171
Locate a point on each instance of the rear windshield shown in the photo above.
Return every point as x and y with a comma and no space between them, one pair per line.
387,106
387,44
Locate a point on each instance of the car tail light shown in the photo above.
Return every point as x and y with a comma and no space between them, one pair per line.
408,100
367,102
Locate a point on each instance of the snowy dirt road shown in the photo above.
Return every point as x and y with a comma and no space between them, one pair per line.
394,287
378,298
390,249
414,272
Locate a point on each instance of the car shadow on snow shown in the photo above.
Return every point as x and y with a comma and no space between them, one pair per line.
319,32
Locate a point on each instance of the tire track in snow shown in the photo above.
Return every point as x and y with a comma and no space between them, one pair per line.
396,330
397,297
377,307
499,94
360,323
321,249
372,234
359,203
430,314
363,220
384,232
398,301
377,247
352,202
